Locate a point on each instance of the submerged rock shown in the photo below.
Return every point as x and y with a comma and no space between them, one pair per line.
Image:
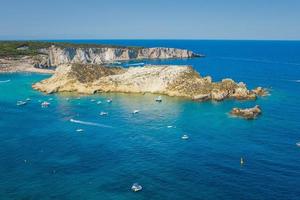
248,113
181,81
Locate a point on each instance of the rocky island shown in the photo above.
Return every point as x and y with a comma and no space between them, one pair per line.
181,81
247,113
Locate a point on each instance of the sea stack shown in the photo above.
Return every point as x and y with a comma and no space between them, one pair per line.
247,113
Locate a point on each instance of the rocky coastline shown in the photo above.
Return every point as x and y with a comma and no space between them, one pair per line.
45,57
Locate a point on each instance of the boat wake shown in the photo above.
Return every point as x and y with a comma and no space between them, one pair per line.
90,123
134,64
5,81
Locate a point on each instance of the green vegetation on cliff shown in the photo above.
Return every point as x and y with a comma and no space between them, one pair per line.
22,48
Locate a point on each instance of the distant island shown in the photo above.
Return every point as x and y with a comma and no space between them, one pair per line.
83,68
42,57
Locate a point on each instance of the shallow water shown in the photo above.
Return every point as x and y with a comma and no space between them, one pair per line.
42,156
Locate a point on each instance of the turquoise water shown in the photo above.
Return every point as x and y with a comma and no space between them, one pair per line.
42,156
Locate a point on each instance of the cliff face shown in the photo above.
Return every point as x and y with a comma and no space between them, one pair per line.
58,55
181,81
24,56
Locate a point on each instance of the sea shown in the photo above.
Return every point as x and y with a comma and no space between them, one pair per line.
68,151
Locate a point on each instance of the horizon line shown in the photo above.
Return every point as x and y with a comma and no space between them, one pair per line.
159,39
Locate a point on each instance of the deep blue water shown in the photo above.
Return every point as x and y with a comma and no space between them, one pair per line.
43,157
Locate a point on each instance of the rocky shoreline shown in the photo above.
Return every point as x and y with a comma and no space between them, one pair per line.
180,81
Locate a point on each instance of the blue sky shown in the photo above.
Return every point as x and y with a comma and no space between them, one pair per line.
150,19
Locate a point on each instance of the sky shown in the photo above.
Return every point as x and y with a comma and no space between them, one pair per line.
150,19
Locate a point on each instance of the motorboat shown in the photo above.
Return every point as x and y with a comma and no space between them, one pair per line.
158,99
242,161
79,130
21,103
136,187
99,102
135,111
103,113
45,104
185,137
109,100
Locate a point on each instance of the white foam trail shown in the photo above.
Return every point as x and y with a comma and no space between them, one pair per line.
5,81
90,123
135,64
297,81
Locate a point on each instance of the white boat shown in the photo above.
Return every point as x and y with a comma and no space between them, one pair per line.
21,103
109,100
158,99
136,187
99,102
103,113
79,130
169,126
298,144
28,99
135,111
185,137
93,100
45,104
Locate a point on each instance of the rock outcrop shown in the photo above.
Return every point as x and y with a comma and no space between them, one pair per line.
182,81
248,113
59,55
260,91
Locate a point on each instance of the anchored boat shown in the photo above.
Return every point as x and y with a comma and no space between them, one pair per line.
103,113
135,111
136,187
158,99
45,104
185,137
